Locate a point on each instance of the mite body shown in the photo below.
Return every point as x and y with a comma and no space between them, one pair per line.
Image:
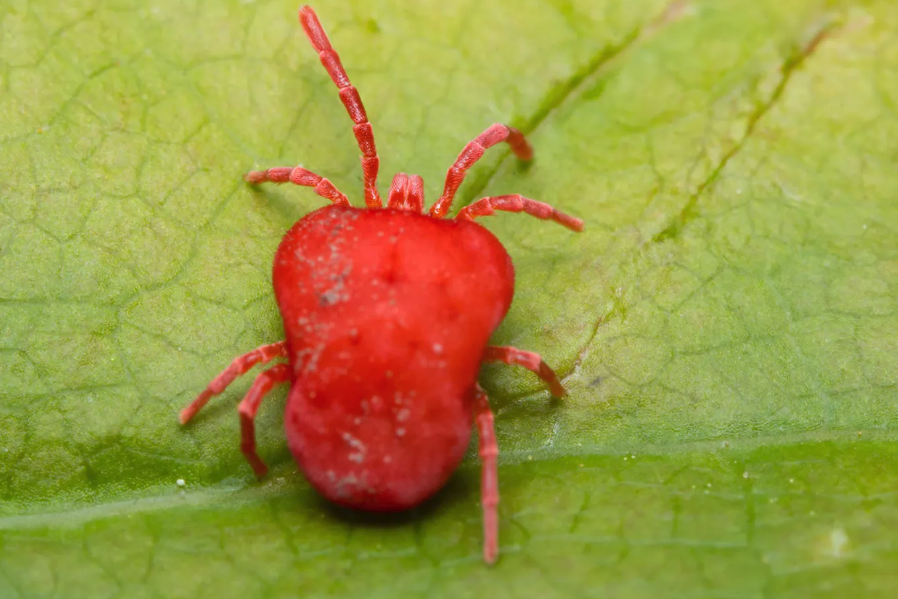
387,316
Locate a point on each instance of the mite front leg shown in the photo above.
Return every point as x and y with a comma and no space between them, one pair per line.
529,360
471,154
239,366
518,203
349,95
489,476
298,176
279,373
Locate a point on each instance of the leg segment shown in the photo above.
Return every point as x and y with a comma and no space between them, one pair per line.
529,360
364,135
298,176
518,203
407,193
239,366
471,154
489,476
279,373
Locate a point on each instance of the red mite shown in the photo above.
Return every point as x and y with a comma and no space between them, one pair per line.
387,314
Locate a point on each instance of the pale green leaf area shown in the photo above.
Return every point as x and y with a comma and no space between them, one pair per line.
726,324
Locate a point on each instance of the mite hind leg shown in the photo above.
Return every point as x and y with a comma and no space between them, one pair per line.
280,373
240,365
529,360
489,476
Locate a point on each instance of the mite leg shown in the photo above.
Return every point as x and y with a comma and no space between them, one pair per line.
407,193
239,366
364,135
298,176
279,373
471,154
518,203
489,475
529,360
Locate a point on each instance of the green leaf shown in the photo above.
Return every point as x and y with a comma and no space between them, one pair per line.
725,325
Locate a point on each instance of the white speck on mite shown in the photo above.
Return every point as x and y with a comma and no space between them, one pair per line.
180,482
353,442
359,449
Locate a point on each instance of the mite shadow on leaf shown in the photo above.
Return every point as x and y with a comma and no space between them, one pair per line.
271,198
459,489
522,166
224,406
506,386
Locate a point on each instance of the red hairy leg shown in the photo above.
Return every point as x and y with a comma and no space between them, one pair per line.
489,475
471,154
279,373
349,95
239,366
407,193
299,176
529,360
518,203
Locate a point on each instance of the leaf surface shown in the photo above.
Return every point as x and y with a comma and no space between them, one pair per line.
725,325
